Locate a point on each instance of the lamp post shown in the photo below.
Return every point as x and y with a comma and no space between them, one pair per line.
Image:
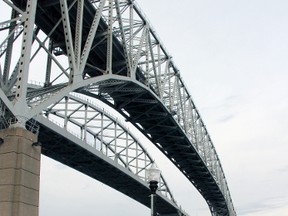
153,179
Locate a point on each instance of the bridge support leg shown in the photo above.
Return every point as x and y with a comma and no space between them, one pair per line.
19,173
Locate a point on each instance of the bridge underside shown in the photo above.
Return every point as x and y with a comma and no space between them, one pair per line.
58,145
49,13
144,111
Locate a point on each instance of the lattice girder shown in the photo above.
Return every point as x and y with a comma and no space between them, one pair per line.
104,132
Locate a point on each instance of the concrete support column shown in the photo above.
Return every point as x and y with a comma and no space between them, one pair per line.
19,173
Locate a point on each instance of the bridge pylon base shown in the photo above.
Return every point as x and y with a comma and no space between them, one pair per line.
19,173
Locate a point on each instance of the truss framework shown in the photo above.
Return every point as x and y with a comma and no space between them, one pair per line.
104,132
73,45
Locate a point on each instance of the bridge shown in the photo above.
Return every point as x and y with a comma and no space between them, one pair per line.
83,53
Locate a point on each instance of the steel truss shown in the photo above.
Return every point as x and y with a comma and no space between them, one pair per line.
104,132
108,50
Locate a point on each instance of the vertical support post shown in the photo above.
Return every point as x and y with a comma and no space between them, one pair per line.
101,135
161,86
22,79
153,210
131,9
78,32
49,65
127,156
66,112
68,38
115,138
137,157
19,173
6,70
109,39
147,56
85,123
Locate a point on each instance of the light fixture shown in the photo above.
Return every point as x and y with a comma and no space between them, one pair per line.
153,179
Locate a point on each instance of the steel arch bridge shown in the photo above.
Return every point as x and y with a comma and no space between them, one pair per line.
106,51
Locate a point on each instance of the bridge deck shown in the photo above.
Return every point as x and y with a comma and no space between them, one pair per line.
59,145
154,120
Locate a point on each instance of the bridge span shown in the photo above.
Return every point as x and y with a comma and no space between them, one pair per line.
105,50
104,150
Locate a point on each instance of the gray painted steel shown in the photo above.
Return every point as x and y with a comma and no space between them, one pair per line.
107,50
59,144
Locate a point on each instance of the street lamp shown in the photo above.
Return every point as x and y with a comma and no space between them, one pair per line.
153,179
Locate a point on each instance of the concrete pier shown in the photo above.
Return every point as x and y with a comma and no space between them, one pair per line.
19,173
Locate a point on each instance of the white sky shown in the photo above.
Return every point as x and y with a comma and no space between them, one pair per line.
233,56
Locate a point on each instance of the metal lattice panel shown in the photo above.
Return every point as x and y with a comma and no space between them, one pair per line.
104,132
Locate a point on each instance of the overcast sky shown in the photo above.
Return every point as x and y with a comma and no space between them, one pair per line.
233,56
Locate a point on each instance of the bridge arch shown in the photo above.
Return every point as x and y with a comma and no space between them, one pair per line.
104,132
107,49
